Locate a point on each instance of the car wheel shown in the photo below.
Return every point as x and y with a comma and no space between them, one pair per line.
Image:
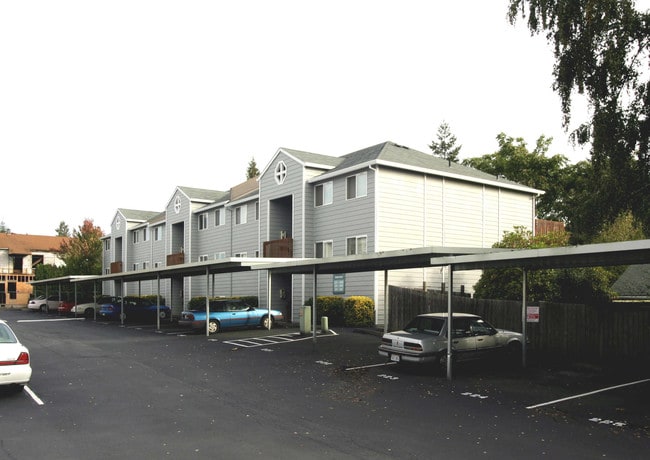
89,313
267,322
163,315
213,327
42,309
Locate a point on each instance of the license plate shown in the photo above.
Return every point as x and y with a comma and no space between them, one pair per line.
395,358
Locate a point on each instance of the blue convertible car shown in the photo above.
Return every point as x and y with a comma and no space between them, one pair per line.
135,308
229,313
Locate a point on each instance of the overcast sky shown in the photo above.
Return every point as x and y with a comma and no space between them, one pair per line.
112,104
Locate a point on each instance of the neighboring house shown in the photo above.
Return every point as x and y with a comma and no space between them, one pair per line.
385,197
19,255
633,285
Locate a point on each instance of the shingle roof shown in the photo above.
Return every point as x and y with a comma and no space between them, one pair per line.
399,154
136,215
634,283
26,244
201,194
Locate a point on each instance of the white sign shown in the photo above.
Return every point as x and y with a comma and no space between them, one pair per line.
532,314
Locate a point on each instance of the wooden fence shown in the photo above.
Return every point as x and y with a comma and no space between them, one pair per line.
612,331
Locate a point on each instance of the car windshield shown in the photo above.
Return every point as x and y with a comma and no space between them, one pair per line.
6,334
425,325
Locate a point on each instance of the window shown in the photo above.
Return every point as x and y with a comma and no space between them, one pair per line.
135,267
324,194
157,265
324,249
357,245
220,255
280,172
136,236
240,215
157,233
145,234
218,217
145,265
357,186
241,254
107,245
203,258
203,221
257,210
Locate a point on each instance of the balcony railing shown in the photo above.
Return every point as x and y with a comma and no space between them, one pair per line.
116,267
278,248
176,259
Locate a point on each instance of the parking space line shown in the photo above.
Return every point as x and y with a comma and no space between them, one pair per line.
36,399
587,394
369,366
49,320
273,339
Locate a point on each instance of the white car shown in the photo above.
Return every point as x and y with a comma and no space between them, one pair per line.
43,304
424,340
88,310
15,369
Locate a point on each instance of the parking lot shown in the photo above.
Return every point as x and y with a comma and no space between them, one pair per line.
102,390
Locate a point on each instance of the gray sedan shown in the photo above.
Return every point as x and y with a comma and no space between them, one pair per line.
424,340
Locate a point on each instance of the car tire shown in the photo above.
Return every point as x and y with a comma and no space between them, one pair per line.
89,313
42,309
267,322
163,315
213,326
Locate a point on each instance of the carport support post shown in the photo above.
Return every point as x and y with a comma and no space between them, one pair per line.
207,301
450,285
385,301
158,302
523,318
313,313
268,296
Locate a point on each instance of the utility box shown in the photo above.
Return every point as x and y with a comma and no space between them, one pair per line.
305,319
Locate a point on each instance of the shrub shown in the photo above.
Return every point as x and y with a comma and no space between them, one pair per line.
359,311
153,298
199,302
330,306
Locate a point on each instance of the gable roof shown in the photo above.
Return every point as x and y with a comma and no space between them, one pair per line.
26,244
398,156
136,215
202,194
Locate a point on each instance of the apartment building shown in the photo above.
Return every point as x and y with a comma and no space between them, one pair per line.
304,205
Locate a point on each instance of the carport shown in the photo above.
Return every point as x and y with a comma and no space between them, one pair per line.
457,259
604,254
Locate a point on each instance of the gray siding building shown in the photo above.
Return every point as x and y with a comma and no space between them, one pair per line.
304,205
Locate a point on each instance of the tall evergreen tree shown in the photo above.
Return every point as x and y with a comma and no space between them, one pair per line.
445,147
252,170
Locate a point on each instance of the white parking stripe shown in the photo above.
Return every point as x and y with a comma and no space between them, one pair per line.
36,399
370,365
587,394
48,320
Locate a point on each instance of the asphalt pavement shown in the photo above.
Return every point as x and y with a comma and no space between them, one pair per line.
109,391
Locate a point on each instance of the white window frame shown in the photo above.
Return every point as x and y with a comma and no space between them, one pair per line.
241,214
324,194
356,186
203,258
220,255
107,245
360,245
326,248
219,217
136,236
157,233
203,221
240,254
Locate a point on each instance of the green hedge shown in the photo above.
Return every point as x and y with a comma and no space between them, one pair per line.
199,302
153,298
355,311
